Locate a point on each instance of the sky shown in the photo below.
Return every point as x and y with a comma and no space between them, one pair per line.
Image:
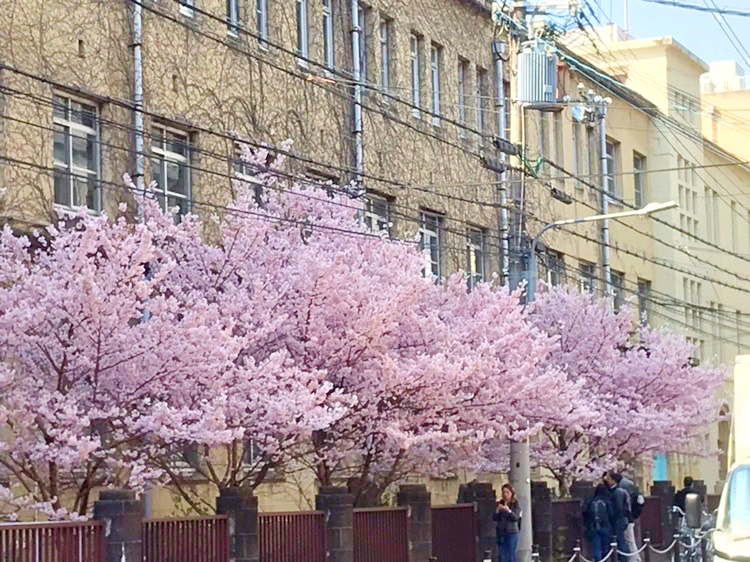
698,31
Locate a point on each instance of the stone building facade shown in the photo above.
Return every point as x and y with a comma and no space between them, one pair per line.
259,71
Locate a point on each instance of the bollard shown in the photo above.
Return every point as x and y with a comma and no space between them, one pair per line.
577,550
676,547
487,557
647,550
615,556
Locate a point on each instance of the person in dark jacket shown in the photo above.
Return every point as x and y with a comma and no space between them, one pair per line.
508,517
620,510
679,497
636,506
597,517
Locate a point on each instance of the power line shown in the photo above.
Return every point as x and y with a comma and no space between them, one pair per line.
723,11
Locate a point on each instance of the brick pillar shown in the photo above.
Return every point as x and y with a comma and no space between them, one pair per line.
122,516
419,502
583,491
338,505
541,501
664,490
483,497
241,506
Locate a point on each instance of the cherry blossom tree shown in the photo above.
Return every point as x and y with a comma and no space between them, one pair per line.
83,374
642,393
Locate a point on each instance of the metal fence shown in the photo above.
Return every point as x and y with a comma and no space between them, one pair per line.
381,535
292,537
52,542
193,539
454,533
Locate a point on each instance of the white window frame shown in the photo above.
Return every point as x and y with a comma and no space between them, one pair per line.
618,289
639,179
463,67
385,54
362,14
233,18
303,32
416,75
430,236
161,153
610,174
329,50
644,301
436,56
555,267
373,220
476,256
187,8
587,271
481,87
261,16
69,169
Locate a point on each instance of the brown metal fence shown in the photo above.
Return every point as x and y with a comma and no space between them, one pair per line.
52,542
193,539
292,537
454,533
651,520
381,535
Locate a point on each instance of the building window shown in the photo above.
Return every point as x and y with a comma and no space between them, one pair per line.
610,171
76,154
233,17
588,277
187,8
436,56
363,17
733,219
416,74
261,22
639,178
463,68
481,103
618,289
577,154
385,54
328,36
170,167
644,301
377,214
475,255
303,40
557,133
555,268
430,242
507,109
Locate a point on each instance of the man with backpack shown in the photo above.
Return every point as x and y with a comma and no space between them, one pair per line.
597,518
636,507
619,501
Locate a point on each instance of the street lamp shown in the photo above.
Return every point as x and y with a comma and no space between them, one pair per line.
649,209
520,471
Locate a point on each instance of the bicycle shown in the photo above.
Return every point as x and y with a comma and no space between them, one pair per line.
694,545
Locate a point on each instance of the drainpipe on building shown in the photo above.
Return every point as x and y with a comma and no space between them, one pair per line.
500,49
359,154
606,267
140,158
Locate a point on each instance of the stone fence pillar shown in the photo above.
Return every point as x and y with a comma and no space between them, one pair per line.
122,516
483,497
241,506
338,505
419,503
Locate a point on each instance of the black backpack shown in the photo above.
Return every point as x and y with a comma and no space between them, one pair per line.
599,514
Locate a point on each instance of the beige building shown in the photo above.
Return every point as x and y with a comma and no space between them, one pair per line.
699,252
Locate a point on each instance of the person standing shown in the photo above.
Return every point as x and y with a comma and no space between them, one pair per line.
597,518
679,497
620,511
636,506
508,517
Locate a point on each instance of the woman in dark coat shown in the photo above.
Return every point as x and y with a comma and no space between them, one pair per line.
508,517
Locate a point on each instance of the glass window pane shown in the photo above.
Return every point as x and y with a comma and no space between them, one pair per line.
62,188
175,178
82,114
61,145
156,173
60,107
84,147
177,143
84,191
